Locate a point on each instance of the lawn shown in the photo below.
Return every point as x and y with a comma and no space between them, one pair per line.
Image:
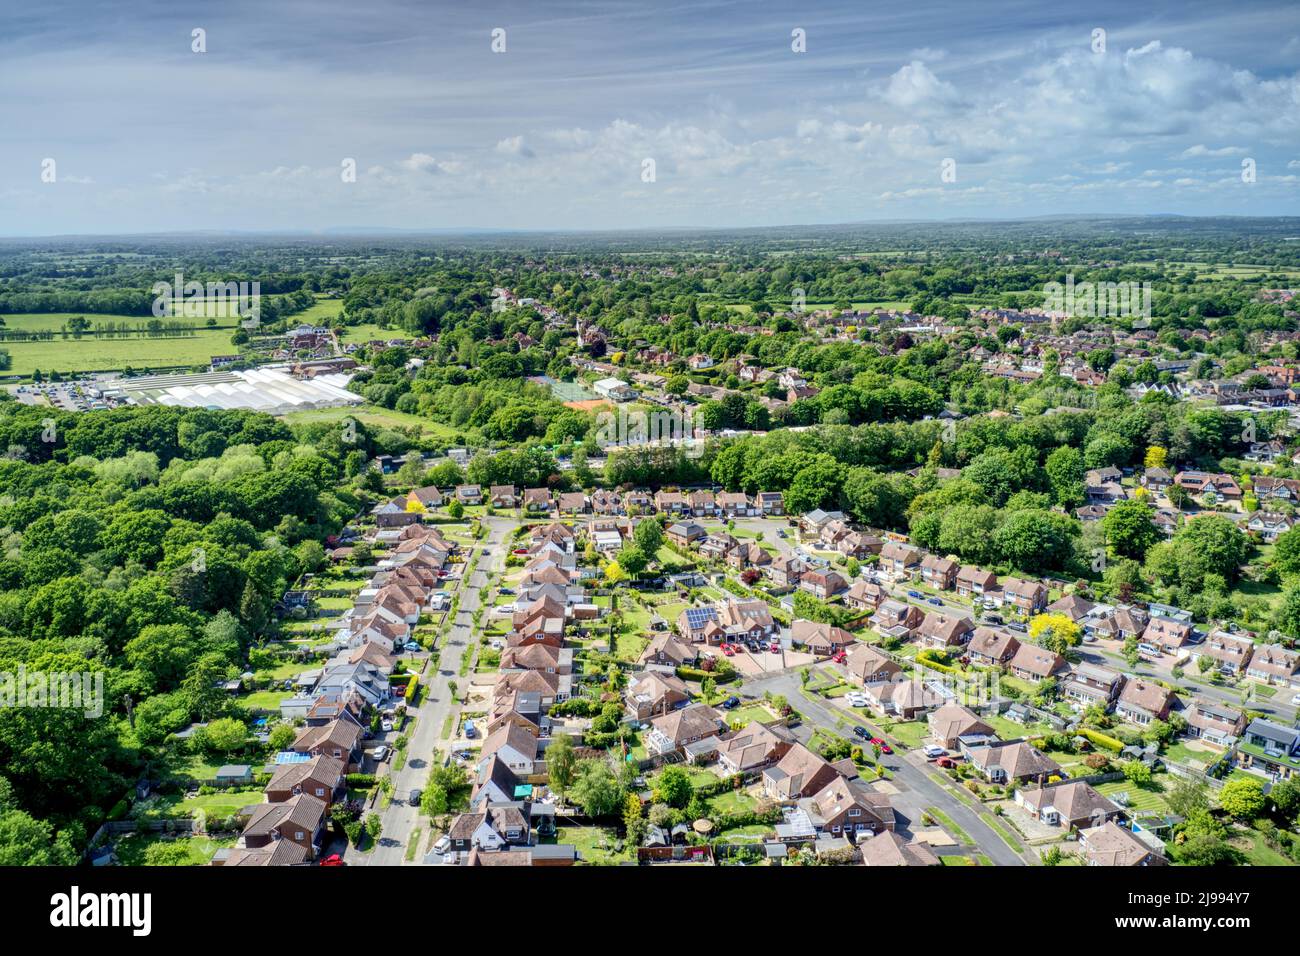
731,801
91,354
1150,798
223,803
268,700
1257,852
131,848
377,416
912,733
749,713
596,845
628,646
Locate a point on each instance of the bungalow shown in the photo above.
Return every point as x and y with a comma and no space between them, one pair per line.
1141,702
1072,805
890,849
394,514
538,499
823,584
813,521
469,494
799,773
821,640
754,747
1034,663
670,651
675,730
1072,606
1012,762
503,496
949,723
992,646
939,572
1112,845
1029,597
901,699
494,827
572,503
1270,748
944,631
975,581
869,665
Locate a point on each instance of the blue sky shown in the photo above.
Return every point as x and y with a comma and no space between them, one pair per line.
553,133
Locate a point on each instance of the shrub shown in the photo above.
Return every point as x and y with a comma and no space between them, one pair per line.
1098,739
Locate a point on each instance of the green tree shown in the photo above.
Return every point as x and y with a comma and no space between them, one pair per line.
1243,799
561,763
1130,528
673,787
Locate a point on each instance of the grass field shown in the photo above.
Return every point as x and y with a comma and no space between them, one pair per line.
89,354
374,415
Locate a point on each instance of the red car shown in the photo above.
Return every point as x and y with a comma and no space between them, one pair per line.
774,648
946,762
839,657
728,650
884,747
333,860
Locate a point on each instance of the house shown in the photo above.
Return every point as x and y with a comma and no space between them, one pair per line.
1157,480
503,496
495,827
1112,845
748,554
685,533
902,699
1269,748
944,631
1167,635
677,729
718,546
734,504
800,773
495,782
896,619
537,657
939,572
338,739
1214,487
1230,652
512,745
813,521
951,722
321,777
1141,701
1012,762
1034,663
614,389
1092,685
299,820
890,849
1028,597
668,650
469,494
1212,721
868,665
538,499
1072,606
1071,805
770,503
822,640
670,502
849,808
823,584
1274,664
702,503
650,693
899,561
992,646
975,581
753,748
864,595
786,571
394,514
572,503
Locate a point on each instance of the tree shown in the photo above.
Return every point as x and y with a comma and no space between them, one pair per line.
1243,799
1065,472
282,737
1130,528
1285,795
225,735
1156,457
1216,541
25,841
561,763
633,818
374,825
673,787
1137,772
633,560
174,853
596,790
649,536
1055,632
456,509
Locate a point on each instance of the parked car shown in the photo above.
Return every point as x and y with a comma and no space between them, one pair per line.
415,797
946,762
856,700
934,752
728,650
1295,701
780,533
731,703
993,618
443,844
386,725
333,860
774,647
862,732
1017,626
839,657
935,601
462,754
884,747
380,753
915,594
469,729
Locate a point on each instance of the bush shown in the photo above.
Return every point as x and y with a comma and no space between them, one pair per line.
1098,762
1098,739
360,781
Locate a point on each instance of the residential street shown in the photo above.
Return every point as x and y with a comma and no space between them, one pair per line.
400,818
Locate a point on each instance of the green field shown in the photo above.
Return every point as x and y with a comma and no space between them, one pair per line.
91,354
374,415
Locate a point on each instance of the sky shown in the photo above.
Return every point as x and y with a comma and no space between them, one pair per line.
638,115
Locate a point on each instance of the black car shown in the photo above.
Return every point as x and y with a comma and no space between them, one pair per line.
415,797
731,702
862,732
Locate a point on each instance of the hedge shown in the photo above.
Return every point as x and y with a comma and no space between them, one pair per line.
1101,740
360,781
695,674
924,660
413,687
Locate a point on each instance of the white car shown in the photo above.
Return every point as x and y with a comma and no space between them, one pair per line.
380,753
1295,701
386,725
856,700
443,844
933,752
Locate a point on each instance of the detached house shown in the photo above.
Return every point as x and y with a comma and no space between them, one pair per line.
868,665
949,723
1165,635
896,619
1112,845
1012,762
991,646
1093,685
822,640
1034,663
975,581
865,595
1141,702
943,631
1274,664
1028,597
1072,805
1230,653
676,730
823,584
1215,722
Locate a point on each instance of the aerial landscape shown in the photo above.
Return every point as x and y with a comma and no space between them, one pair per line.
671,472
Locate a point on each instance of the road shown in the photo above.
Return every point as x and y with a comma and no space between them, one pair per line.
918,790
399,819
